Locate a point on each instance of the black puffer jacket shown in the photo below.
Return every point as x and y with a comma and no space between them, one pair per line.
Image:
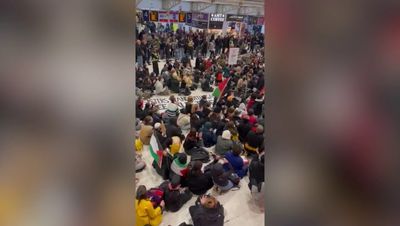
203,216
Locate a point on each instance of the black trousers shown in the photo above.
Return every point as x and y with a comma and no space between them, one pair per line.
155,68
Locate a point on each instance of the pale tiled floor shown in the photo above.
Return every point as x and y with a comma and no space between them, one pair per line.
242,208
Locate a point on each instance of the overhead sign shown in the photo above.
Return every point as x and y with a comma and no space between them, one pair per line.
146,16
216,21
168,16
154,16
200,16
189,18
233,56
182,17
236,18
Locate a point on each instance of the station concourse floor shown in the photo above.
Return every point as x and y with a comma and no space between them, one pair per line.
242,207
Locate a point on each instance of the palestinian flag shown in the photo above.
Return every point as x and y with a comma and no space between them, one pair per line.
156,150
218,91
179,168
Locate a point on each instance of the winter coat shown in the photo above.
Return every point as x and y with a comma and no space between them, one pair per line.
237,163
199,184
145,134
147,214
223,145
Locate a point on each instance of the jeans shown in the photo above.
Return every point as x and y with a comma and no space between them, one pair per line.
140,61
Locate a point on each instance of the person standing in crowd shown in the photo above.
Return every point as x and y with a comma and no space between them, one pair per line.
139,53
190,48
155,59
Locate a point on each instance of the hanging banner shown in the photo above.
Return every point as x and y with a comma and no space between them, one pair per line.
236,18
189,18
233,56
163,16
154,16
168,17
182,17
145,15
216,21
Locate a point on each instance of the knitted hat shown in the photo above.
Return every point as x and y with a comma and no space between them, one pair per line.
226,135
157,125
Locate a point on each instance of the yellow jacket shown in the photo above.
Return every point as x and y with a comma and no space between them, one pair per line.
147,214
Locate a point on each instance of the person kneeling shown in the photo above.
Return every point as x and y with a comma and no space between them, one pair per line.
175,196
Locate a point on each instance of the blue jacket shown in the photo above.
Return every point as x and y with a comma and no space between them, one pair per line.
237,164
209,138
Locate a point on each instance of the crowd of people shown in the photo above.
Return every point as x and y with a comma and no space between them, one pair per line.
205,145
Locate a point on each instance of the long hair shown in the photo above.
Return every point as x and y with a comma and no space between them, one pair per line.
196,168
141,193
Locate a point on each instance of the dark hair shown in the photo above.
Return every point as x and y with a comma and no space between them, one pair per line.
192,134
196,168
175,181
182,157
148,120
236,149
141,193
250,112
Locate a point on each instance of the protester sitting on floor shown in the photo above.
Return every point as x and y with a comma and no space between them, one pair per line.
198,182
254,141
224,143
179,167
192,141
146,214
172,108
207,211
183,120
146,130
173,129
159,87
175,196
252,117
244,128
224,180
236,161
208,135
189,104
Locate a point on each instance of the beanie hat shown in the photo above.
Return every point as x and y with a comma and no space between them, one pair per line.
226,135
157,125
